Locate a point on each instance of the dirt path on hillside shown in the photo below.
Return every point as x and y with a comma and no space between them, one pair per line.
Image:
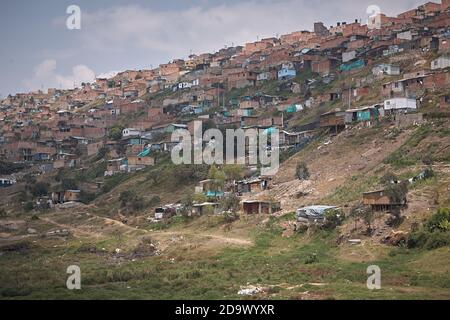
110,221
224,239
78,232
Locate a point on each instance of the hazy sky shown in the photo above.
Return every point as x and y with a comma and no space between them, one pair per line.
38,51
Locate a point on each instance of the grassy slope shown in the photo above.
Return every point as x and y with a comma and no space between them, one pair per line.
215,273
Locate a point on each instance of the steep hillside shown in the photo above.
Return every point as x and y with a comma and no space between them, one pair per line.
208,257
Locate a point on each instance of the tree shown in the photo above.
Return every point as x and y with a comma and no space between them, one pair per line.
101,154
199,198
87,197
217,176
233,172
116,133
39,189
397,192
368,216
230,203
187,202
68,184
332,219
9,167
440,221
302,172
126,197
427,160
388,179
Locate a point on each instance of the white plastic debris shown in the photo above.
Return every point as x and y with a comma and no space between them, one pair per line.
249,291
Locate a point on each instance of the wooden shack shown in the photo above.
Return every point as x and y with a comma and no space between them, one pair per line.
255,185
380,201
66,196
333,120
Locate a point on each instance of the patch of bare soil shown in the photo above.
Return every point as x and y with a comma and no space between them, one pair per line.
331,163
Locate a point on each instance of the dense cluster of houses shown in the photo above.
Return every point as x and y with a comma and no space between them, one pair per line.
64,128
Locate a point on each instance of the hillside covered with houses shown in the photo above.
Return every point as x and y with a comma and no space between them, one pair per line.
272,82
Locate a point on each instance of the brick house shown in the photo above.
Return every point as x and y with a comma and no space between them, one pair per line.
241,79
324,66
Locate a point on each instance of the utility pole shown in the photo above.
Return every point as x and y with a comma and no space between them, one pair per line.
349,95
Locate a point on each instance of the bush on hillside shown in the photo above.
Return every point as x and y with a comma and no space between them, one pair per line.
440,221
332,219
129,200
87,197
230,203
9,167
302,172
397,192
434,234
388,179
39,189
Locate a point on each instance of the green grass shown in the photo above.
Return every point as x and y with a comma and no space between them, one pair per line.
407,154
276,262
352,189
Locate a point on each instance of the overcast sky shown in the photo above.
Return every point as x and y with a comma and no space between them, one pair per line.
38,51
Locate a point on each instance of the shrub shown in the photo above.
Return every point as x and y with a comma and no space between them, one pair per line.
427,159
397,192
332,219
230,203
68,184
302,172
112,182
440,221
138,204
233,172
28,206
126,197
230,216
199,198
9,167
116,133
39,189
86,197
311,258
438,240
156,200
434,234
388,178
129,199
417,239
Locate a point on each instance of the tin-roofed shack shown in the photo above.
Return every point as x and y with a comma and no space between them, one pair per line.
254,185
313,214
